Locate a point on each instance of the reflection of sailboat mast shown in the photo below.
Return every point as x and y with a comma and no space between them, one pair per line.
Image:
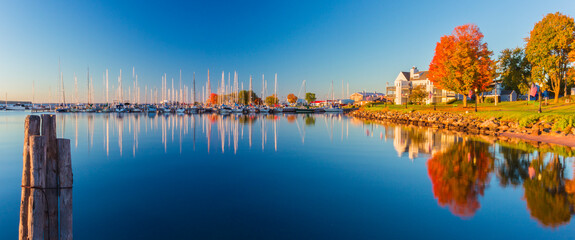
250,133
181,126
275,131
209,133
120,132
108,136
263,128
300,131
76,130
194,123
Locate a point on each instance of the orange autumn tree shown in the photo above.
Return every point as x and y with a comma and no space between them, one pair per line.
548,48
213,99
462,62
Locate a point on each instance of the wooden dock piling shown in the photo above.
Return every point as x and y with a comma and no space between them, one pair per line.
49,132
46,176
66,180
31,127
37,203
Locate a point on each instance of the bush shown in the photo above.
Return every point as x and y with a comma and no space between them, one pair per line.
489,100
528,120
563,123
451,101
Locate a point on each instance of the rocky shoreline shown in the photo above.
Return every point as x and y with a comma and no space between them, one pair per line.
539,131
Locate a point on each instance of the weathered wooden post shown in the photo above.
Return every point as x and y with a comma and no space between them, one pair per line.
46,174
31,127
37,204
66,180
49,132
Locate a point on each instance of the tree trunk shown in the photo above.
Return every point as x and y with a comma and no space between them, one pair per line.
556,97
464,101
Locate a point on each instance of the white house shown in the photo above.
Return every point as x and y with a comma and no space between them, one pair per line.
406,81
366,96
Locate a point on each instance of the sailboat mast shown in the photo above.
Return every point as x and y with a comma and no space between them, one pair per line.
180,87
76,89
107,92
250,92
276,88
223,87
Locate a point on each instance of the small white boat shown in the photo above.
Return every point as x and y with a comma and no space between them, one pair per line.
333,109
15,107
193,109
180,110
237,110
264,109
225,109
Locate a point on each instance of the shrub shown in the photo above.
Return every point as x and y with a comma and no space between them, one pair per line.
451,101
489,100
528,120
563,123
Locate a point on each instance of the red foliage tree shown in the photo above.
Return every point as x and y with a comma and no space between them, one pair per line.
213,99
462,62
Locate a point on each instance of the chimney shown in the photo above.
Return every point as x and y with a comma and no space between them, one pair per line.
412,72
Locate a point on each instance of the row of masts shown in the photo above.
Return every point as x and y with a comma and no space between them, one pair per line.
168,93
228,93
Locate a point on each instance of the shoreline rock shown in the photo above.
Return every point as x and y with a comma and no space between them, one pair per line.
539,131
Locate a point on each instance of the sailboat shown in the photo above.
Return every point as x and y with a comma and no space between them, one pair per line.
277,109
332,107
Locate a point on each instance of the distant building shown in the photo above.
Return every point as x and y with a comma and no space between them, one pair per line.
366,96
502,95
406,81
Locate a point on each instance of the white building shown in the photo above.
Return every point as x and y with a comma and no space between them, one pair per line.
406,81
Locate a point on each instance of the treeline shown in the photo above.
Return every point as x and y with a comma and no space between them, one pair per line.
463,63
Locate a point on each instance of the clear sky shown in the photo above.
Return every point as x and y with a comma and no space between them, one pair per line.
363,43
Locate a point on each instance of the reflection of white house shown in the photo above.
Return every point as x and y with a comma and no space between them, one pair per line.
420,141
406,81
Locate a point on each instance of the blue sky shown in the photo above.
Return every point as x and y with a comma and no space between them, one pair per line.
363,43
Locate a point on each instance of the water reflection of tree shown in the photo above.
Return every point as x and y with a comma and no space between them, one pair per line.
513,169
460,175
545,192
309,120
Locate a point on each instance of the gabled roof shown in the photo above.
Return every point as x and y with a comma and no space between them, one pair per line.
422,75
507,92
405,74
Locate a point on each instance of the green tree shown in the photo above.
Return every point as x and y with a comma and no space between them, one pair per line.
244,97
310,97
514,70
272,100
418,94
548,47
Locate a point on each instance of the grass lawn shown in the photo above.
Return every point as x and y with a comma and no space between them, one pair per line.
561,114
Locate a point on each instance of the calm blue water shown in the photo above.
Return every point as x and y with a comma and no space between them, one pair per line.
293,177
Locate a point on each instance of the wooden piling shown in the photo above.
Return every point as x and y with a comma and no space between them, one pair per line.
66,181
31,127
49,132
36,205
